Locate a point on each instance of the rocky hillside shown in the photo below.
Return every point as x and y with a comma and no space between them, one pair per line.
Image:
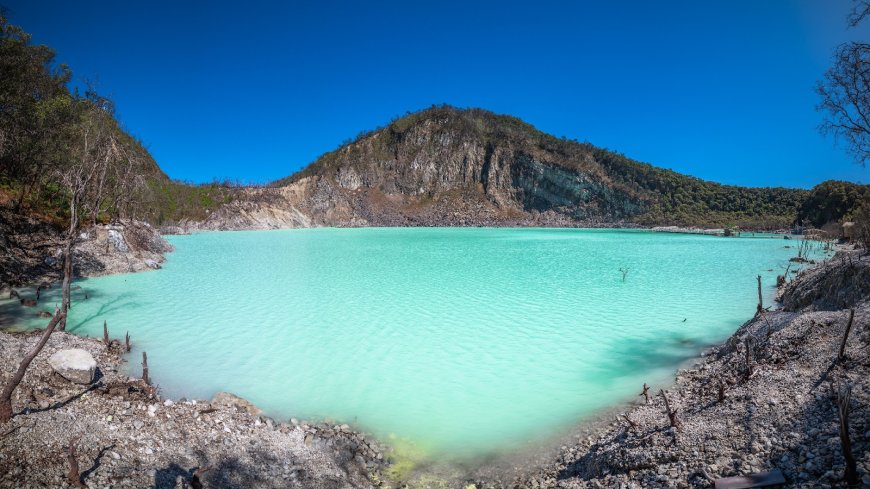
448,166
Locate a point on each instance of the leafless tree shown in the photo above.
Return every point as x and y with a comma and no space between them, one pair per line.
845,93
84,179
860,10
9,388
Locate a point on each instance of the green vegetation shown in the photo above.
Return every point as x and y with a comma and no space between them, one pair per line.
53,139
687,201
833,201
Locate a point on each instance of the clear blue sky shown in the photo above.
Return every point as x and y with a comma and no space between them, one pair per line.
718,89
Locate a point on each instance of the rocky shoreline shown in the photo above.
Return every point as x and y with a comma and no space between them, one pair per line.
126,435
778,413
31,250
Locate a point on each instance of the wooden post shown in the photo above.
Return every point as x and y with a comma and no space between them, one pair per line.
196,479
844,395
846,335
106,332
750,347
760,305
145,368
127,341
645,393
73,475
672,415
721,392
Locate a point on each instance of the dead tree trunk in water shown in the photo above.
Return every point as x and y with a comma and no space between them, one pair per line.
645,393
145,368
624,272
846,335
127,341
106,332
9,388
760,305
67,278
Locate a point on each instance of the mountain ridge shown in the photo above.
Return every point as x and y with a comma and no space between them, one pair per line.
449,166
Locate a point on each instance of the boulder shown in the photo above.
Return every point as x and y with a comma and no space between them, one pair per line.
151,264
232,400
75,365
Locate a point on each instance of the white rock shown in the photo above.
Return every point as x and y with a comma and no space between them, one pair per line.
75,365
152,264
117,240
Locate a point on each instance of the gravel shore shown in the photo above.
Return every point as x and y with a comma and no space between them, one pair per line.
129,437
779,414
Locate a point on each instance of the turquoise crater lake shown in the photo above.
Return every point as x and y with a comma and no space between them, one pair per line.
459,341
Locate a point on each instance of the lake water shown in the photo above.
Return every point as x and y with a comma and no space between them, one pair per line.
455,341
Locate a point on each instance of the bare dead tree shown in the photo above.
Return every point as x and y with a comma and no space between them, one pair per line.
631,423
860,10
127,341
106,333
672,414
721,396
145,368
760,305
645,393
845,98
73,475
842,352
844,396
624,271
9,388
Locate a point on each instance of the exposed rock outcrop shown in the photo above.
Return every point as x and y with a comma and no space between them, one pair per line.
451,167
31,249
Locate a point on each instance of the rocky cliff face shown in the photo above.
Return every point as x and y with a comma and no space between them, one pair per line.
438,168
448,167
